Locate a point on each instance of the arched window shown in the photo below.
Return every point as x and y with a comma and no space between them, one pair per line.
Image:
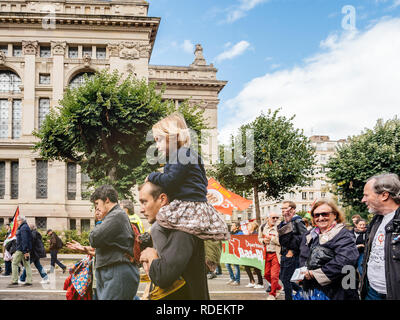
10,105
9,82
79,79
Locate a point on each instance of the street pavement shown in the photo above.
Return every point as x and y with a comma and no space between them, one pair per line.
218,288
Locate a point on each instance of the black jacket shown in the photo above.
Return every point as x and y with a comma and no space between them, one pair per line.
38,250
184,177
329,277
290,235
361,239
180,255
392,255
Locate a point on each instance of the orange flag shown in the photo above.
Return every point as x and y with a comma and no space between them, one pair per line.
224,200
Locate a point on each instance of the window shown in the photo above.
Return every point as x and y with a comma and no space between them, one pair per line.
44,78
291,195
84,186
311,195
323,194
1,222
304,195
2,179
41,179
304,207
72,224
44,108
9,82
4,110
100,53
4,48
73,52
14,179
17,51
71,181
16,119
45,52
87,51
85,225
41,223
79,79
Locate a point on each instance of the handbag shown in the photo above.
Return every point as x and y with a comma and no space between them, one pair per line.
319,256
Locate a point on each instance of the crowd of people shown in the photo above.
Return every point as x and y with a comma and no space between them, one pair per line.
186,231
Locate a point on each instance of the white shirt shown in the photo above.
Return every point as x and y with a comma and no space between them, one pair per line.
376,263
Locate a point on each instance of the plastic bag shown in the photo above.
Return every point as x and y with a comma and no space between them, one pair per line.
312,294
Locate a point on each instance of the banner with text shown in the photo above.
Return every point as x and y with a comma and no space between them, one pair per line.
243,250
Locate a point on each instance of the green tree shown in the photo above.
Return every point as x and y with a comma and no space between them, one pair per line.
102,125
282,158
372,152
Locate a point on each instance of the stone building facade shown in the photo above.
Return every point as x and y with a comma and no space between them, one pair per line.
46,46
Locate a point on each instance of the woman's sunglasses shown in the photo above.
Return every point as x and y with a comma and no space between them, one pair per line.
323,214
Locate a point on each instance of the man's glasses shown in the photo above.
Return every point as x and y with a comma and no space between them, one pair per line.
275,218
323,214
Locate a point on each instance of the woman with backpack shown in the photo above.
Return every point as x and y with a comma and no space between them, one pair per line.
55,245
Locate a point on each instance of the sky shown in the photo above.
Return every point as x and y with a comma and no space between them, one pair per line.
333,64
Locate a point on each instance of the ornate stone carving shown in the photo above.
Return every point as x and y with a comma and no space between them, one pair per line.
2,57
87,59
29,47
58,47
113,50
134,50
131,69
199,58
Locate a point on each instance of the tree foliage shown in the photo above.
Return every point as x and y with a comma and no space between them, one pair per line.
283,159
102,125
372,152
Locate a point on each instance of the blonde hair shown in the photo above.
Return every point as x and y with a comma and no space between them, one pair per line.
173,125
340,217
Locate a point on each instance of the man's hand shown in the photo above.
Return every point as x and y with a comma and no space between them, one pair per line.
74,245
289,254
146,257
308,275
26,255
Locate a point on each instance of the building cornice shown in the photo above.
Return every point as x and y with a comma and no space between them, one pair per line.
83,21
217,84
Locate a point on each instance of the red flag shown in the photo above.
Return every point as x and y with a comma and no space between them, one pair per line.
14,225
224,200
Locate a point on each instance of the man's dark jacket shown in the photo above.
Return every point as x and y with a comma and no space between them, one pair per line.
290,235
392,255
180,255
24,238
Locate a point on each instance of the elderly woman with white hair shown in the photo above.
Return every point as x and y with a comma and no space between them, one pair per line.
24,246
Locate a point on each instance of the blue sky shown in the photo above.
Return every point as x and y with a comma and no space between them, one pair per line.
293,54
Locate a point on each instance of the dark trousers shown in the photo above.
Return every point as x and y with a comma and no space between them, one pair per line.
7,271
54,260
288,265
250,274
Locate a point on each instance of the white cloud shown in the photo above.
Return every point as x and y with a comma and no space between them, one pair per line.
188,46
239,11
237,50
337,92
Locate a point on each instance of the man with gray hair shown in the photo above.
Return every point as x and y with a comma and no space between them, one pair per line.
381,265
24,246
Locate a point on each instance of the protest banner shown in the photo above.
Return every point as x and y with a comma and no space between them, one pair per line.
224,200
243,250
